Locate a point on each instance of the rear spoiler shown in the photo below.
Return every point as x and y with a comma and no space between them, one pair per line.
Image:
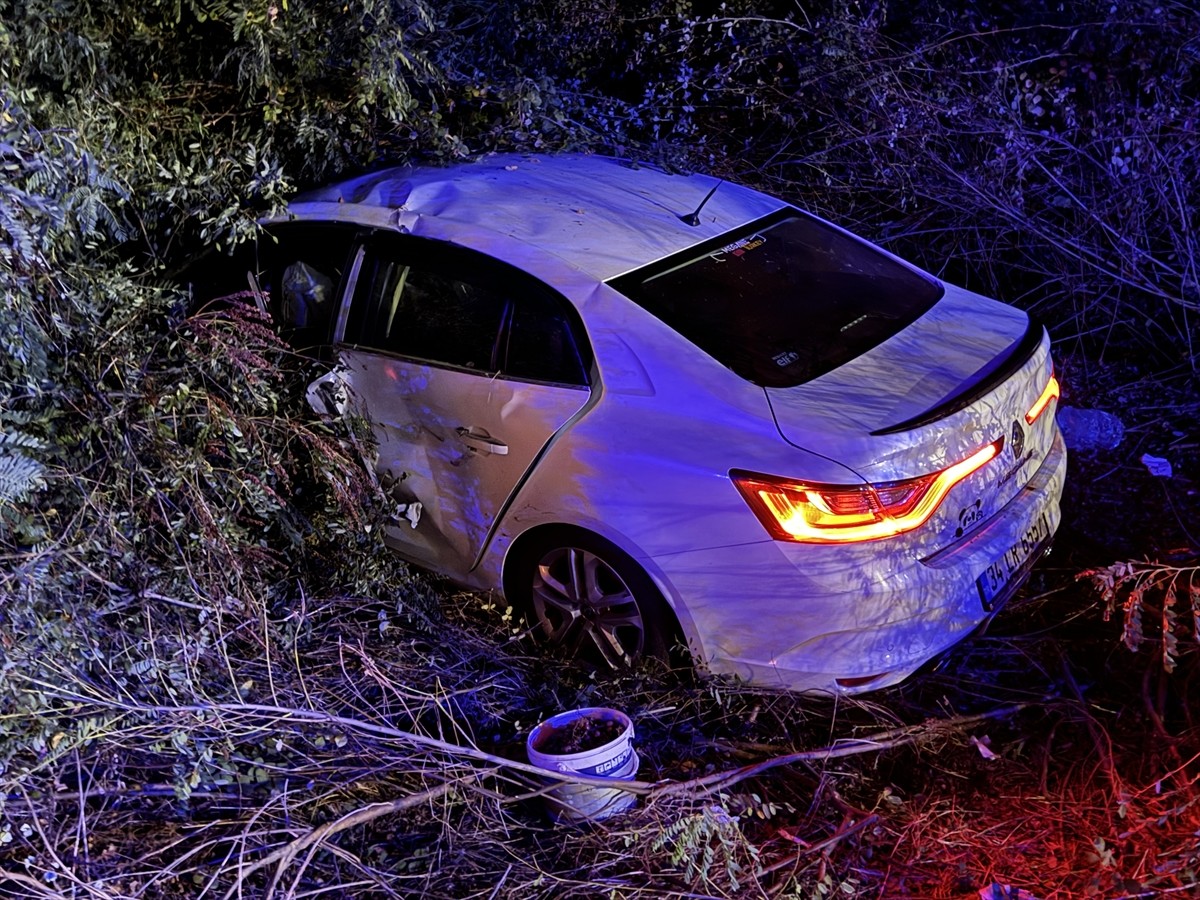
997,370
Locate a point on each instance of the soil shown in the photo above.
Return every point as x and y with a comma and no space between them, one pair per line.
578,735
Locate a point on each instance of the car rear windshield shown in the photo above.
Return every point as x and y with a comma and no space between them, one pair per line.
784,300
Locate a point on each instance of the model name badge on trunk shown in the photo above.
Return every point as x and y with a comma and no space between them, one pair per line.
999,573
1011,473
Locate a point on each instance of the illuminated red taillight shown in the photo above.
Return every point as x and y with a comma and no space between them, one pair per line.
836,513
1051,392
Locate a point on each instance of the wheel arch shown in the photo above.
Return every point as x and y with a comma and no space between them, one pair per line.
519,548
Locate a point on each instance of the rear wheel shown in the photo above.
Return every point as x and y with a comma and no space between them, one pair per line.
586,596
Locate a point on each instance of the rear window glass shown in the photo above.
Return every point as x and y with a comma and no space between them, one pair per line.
784,300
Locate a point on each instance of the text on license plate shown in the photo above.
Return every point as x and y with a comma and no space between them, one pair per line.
999,573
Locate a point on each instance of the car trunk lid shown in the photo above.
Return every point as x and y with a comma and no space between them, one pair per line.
962,376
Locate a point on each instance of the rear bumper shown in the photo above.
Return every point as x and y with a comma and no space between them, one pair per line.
852,619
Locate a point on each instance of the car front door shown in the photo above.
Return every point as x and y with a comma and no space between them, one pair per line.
464,368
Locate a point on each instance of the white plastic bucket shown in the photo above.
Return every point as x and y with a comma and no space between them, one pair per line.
614,759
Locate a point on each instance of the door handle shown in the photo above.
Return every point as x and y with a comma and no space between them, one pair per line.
481,440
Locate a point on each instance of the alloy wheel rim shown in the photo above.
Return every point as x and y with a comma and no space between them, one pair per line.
582,605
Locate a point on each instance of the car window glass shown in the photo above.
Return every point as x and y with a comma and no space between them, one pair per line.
412,311
451,306
784,300
539,345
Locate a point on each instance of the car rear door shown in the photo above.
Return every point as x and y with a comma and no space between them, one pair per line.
465,368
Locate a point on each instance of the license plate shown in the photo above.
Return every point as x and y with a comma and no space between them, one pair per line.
999,573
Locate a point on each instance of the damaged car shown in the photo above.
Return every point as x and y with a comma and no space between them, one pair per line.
659,411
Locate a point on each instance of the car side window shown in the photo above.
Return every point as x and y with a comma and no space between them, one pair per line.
292,270
539,344
412,311
301,267
450,306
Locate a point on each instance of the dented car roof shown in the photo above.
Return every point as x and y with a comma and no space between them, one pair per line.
603,216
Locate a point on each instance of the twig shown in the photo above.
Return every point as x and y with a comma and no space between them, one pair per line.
1159,891
36,888
283,857
896,737
703,786
500,883
357,725
144,790
820,846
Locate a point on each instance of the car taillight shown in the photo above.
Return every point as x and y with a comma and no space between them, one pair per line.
1050,392
835,513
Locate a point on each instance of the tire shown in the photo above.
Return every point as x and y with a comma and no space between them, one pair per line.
585,597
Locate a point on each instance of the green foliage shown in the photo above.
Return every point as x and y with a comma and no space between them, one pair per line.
205,106
710,849
57,204
161,484
20,476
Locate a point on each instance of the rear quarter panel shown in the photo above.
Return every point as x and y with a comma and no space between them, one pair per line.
646,464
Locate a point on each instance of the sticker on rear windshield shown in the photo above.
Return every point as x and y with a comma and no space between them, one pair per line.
786,358
738,248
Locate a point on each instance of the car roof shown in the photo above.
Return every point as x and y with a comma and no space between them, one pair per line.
601,215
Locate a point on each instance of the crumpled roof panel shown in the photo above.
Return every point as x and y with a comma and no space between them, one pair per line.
601,215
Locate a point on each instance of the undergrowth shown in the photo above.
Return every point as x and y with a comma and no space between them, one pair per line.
215,682
382,753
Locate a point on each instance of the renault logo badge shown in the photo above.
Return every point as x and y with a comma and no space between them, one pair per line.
1018,439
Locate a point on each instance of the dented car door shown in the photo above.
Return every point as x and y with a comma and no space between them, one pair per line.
463,373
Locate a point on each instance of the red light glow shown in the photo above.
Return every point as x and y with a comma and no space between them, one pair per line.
1051,392
829,514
